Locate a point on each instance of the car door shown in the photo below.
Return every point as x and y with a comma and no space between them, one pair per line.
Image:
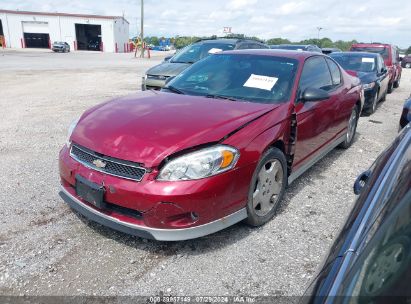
381,265
382,74
315,120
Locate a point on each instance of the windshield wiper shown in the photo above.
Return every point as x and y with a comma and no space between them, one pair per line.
188,62
174,90
221,97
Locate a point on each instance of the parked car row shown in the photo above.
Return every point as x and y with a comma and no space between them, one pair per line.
371,70
406,61
226,135
391,57
297,47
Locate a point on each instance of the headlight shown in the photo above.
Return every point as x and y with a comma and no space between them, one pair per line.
70,131
200,164
368,86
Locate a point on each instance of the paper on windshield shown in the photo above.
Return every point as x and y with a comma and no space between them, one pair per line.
214,50
261,82
365,59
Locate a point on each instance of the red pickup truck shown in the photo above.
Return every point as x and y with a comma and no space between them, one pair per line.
391,59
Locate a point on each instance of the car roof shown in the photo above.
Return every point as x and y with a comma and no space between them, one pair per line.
355,54
226,41
298,45
380,45
298,55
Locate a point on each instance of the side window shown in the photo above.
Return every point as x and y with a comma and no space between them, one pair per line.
254,46
335,72
381,63
315,74
394,55
242,46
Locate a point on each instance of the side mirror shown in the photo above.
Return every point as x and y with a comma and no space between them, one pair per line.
167,58
360,182
384,70
312,94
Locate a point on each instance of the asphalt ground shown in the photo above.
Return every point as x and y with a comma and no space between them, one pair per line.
47,249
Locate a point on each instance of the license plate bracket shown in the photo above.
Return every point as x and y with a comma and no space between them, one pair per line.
90,192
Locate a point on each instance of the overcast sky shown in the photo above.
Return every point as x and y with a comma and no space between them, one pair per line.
365,20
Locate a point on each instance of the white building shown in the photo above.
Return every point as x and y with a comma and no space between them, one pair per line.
22,29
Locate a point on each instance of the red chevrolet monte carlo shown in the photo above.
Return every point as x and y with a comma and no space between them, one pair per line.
217,146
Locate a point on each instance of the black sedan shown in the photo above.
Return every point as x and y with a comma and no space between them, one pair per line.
370,68
370,261
406,114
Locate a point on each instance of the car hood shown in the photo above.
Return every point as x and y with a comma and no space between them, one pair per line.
150,126
367,77
168,69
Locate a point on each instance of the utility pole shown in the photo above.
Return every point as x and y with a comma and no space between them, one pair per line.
142,29
319,30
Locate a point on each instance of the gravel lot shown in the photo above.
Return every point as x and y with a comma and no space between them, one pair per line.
46,249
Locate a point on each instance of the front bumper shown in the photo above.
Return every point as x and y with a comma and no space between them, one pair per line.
153,82
147,232
189,208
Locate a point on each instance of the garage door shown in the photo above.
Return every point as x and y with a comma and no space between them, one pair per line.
35,27
36,34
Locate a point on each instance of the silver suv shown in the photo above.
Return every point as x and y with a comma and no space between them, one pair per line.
157,76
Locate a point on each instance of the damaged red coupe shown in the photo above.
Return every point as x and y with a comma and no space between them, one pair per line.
217,146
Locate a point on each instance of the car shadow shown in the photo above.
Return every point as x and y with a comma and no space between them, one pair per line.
197,246
221,238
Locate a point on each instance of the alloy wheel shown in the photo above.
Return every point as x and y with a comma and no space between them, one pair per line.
268,187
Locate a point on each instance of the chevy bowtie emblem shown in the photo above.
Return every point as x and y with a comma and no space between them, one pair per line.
99,163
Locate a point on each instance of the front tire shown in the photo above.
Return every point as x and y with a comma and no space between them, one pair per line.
267,187
351,129
408,65
374,104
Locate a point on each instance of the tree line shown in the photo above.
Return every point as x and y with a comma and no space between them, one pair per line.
182,41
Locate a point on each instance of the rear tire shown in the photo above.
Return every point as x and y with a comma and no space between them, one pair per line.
351,129
397,83
267,187
384,97
390,85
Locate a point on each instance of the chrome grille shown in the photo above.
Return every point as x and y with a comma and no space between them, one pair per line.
157,77
113,166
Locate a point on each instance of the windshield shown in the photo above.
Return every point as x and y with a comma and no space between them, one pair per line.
379,50
262,79
357,63
197,51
